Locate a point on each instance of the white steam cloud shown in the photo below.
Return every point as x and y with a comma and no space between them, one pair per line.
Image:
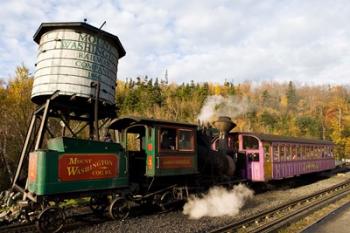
218,202
217,105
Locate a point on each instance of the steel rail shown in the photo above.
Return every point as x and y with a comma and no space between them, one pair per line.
31,226
276,217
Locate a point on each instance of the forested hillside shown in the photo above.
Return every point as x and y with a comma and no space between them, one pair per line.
270,107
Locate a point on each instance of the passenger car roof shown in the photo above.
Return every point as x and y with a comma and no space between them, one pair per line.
287,139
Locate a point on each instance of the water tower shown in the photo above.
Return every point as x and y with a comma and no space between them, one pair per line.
74,80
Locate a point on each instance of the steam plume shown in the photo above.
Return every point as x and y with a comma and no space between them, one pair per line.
217,105
218,202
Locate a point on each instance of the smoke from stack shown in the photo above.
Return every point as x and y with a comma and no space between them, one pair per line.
218,202
217,105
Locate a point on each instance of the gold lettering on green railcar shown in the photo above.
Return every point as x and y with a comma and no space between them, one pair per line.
77,166
74,161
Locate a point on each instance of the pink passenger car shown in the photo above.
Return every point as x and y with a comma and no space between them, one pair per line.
271,157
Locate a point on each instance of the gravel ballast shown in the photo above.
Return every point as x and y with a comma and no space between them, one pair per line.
176,221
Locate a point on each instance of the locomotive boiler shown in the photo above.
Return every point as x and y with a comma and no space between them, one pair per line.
221,160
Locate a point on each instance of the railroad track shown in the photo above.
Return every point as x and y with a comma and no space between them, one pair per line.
277,217
70,222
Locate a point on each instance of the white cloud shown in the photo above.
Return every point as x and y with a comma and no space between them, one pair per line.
201,40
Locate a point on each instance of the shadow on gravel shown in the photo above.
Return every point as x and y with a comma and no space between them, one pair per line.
79,222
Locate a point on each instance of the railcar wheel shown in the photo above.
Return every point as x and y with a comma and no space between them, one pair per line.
119,208
166,201
99,204
51,220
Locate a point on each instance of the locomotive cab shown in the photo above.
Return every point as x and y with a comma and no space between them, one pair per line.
157,148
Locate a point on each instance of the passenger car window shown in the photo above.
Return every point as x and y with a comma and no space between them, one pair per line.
275,153
287,152
294,152
250,142
282,150
267,152
303,153
299,151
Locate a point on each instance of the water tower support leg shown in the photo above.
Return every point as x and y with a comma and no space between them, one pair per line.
24,150
43,123
66,123
81,129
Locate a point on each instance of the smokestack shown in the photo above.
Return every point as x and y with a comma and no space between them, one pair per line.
224,124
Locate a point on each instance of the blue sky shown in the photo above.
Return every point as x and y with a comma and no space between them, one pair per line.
201,40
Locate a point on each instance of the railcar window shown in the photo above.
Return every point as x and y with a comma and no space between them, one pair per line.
287,152
250,142
168,139
320,154
316,154
294,152
324,151
275,153
282,152
185,140
307,152
133,142
253,157
267,152
299,151
176,139
311,151
303,151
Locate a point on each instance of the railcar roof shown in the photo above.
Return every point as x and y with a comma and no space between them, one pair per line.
125,121
278,138
44,27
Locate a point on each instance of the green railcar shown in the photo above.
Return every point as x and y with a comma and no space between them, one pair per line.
158,148
71,165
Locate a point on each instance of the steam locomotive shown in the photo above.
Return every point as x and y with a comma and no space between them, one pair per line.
150,161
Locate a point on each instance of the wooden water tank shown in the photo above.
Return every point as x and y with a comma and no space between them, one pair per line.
72,57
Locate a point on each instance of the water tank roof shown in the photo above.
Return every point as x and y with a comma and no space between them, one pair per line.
44,27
